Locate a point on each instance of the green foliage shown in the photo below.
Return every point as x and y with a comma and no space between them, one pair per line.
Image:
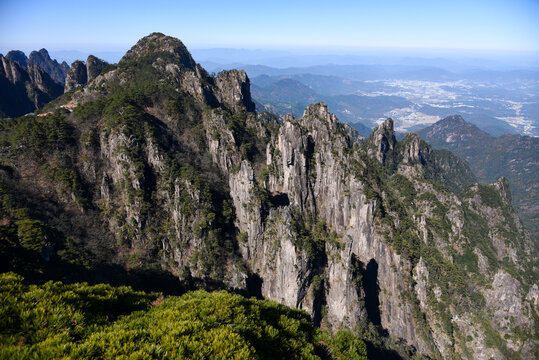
32,234
312,237
64,175
46,321
57,320
489,196
345,345
91,109
404,187
27,243
38,135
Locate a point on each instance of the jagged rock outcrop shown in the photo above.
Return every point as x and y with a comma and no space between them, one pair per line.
234,90
42,59
77,76
163,44
18,56
22,90
46,89
383,139
80,74
94,66
178,172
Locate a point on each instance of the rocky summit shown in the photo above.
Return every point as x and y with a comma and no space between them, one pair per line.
42,59
167,178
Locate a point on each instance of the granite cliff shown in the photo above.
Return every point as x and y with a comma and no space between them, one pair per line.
24,90
162,167
57,71
80,74
42,59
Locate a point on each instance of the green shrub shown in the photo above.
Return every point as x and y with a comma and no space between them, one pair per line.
345,345
80,321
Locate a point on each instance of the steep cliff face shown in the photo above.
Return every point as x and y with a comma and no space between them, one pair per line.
175,170
55,70
76,76
18,56
94,66
42,59
80,74
23,91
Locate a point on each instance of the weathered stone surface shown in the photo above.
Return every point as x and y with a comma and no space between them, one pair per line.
18,56
234,90
77,76
48,87
42,59
383,139
22,90
94,66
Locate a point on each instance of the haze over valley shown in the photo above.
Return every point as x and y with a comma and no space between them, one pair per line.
414,91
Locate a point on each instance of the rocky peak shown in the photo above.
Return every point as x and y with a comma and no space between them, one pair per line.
18,56
453,129
234,90
24,90
414,151
42,59
383,139
41,79
158,45
94,66
502,185
13,72
452,120
77,76
320,111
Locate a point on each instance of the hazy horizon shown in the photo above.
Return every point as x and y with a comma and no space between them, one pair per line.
283,58
475,27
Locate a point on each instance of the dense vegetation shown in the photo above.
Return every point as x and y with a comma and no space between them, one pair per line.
57,320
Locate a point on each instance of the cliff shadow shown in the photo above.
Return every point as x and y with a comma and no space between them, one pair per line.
279,200
372,291
254,286
366,279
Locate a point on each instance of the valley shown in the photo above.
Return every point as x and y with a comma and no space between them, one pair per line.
498,102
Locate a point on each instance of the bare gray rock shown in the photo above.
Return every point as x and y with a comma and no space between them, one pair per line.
77,76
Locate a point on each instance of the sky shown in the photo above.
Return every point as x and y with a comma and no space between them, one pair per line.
473,25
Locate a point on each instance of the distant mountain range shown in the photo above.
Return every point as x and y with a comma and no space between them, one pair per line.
514,156
498,102
289,96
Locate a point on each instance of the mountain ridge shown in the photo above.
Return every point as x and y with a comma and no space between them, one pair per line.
162,166
513,156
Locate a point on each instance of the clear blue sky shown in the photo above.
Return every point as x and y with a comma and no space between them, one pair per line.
116,25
